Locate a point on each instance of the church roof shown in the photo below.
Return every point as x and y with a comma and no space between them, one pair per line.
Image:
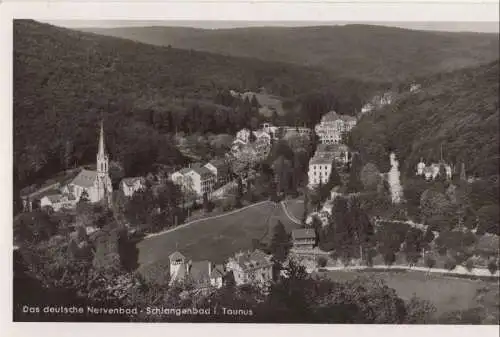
85,178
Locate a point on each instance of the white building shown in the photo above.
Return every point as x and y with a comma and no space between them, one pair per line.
431,172
58,201
320,168
251,268
333,126
202,180
131,185
291,131
220,169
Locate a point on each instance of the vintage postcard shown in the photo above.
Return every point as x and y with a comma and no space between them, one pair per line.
314,171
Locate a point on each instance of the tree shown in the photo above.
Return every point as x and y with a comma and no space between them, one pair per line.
354,184
488,219
413,245
280,243
419,311
492,266
429,261
370,177
239,193
207,205
84,197
321,262
450,263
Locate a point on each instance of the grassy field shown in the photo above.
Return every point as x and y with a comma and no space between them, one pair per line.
446,293
296,207
215,239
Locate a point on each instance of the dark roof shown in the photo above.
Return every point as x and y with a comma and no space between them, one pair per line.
253,259
221,165
303,233
202,171
488,243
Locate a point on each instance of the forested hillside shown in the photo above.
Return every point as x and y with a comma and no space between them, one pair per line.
65,81
458,110
357,51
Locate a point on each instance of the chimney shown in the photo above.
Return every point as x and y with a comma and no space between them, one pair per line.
188,266
210,269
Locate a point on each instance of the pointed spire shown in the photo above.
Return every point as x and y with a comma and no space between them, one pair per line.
101,151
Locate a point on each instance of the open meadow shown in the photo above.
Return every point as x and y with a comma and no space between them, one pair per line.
211,239
446,293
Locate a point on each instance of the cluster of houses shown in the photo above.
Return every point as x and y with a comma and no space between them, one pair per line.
432,171
331,151
251,267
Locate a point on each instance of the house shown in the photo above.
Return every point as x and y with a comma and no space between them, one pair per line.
338,152
220,169
320,168
131,185
333,126
200,274
430,172
58,201
251,268
304,238
201,180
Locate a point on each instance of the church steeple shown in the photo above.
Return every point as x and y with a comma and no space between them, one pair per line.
102,157
101,152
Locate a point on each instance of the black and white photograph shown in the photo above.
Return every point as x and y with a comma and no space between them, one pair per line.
218,171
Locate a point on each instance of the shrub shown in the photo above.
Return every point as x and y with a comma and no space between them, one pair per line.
492,267
450,263
321,262
469,264
430,261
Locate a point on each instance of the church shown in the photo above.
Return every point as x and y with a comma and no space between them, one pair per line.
94,186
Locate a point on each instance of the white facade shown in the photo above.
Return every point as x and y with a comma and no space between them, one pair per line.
251,268
131,185
430,172
319,170
333,126
202,180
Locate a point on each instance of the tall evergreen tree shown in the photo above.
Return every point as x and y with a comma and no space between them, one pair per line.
354,184
280,243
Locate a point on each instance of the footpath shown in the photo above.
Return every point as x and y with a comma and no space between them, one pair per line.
205,219
458,271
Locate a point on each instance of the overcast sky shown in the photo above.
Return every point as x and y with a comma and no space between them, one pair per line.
488,27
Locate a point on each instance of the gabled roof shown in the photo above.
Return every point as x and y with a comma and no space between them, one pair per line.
85,178
221,165
132,181
250,260
303,233
176,256
320,160
202,171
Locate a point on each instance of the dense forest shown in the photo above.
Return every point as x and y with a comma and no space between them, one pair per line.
456,110
357,51
65,81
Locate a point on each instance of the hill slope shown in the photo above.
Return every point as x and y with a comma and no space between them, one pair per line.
65,81
358,51
458,110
